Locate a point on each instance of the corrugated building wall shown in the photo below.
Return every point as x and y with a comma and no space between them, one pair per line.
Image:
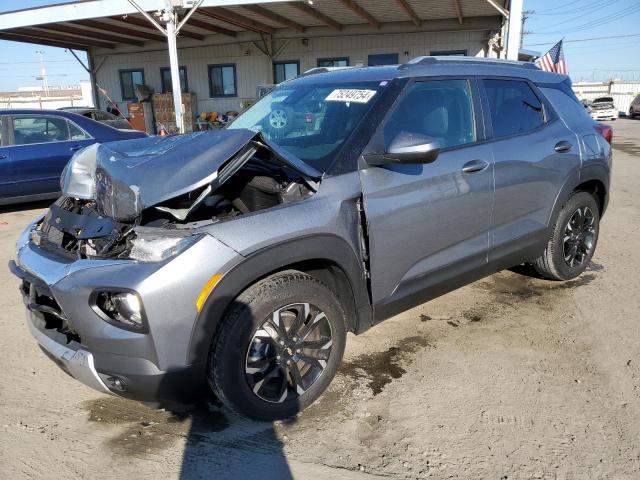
254,68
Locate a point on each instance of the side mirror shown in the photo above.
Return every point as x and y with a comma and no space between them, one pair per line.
407,147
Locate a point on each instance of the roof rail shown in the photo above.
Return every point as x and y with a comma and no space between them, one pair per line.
316,70
435,60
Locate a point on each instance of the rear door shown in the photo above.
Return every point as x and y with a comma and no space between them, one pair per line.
39,148
429,223
535,154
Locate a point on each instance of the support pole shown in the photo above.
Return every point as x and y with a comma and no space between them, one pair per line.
172,32
515,29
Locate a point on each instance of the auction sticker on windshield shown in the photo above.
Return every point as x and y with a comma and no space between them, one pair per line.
350,95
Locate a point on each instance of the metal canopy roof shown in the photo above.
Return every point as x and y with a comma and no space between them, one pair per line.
108,23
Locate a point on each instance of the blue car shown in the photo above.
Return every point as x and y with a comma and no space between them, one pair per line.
35,145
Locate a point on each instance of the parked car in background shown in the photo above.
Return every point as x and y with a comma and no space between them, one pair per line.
35,145
239,259
602,108
100,116
634,108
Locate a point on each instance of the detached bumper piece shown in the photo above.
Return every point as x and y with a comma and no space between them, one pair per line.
77,363
53,332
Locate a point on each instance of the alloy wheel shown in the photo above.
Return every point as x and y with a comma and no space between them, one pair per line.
288,352
579,234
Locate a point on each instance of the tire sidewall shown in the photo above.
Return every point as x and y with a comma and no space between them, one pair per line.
578,200
229,370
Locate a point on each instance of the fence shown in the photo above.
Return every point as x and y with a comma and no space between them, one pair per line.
621,92
39,102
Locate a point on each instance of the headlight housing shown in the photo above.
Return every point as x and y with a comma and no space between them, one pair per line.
151,245
121,308
78,177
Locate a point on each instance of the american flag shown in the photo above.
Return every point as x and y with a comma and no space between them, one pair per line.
553,60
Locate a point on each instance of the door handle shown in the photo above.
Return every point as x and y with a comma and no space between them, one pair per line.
2,157
562,146
475,166
75,148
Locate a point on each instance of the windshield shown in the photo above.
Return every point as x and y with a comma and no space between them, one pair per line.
310,121
603,100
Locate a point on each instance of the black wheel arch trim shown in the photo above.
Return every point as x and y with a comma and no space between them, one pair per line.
320,247
589,173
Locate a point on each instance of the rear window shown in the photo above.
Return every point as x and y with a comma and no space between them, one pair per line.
513,106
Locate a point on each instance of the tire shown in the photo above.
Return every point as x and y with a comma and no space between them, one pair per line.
247,347
553,263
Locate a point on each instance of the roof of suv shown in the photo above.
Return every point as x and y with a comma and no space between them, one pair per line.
432,67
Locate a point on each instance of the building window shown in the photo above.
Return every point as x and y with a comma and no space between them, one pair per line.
165,78
449,53
333,62
285,70
382,59
128,80
222,81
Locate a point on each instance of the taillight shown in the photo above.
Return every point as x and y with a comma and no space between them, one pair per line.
605,130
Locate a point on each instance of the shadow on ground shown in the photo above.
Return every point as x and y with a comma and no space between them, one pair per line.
217,444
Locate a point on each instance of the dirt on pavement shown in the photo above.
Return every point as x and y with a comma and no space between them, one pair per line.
512,377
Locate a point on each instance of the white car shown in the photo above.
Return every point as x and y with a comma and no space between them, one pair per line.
602,108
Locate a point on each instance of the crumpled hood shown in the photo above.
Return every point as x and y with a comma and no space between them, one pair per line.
128,176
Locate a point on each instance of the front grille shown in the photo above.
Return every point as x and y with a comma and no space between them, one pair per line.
44,305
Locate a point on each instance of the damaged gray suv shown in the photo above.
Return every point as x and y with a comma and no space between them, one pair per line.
236,261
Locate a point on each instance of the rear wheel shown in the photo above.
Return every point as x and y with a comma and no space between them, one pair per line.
573,241
278,347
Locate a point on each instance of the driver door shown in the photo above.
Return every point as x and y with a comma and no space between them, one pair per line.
428,224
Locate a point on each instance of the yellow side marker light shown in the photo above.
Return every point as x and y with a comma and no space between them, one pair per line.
206,291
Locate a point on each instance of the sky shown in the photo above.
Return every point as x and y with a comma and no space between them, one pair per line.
548,21
552,20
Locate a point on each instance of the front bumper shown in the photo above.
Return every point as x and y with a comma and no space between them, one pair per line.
149,366
77,363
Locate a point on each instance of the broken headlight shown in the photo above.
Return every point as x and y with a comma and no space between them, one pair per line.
154,246
78,177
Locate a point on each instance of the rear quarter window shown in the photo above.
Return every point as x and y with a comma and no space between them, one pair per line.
573,113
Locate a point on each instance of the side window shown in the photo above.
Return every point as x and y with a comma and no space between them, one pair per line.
30,130
513,106
103,116
1,130
77,133
440,109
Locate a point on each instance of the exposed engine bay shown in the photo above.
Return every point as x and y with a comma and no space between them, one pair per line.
104,214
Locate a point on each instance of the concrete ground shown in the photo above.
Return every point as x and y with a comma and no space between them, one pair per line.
509,378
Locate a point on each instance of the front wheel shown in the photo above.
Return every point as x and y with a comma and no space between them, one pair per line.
573,241
278,347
